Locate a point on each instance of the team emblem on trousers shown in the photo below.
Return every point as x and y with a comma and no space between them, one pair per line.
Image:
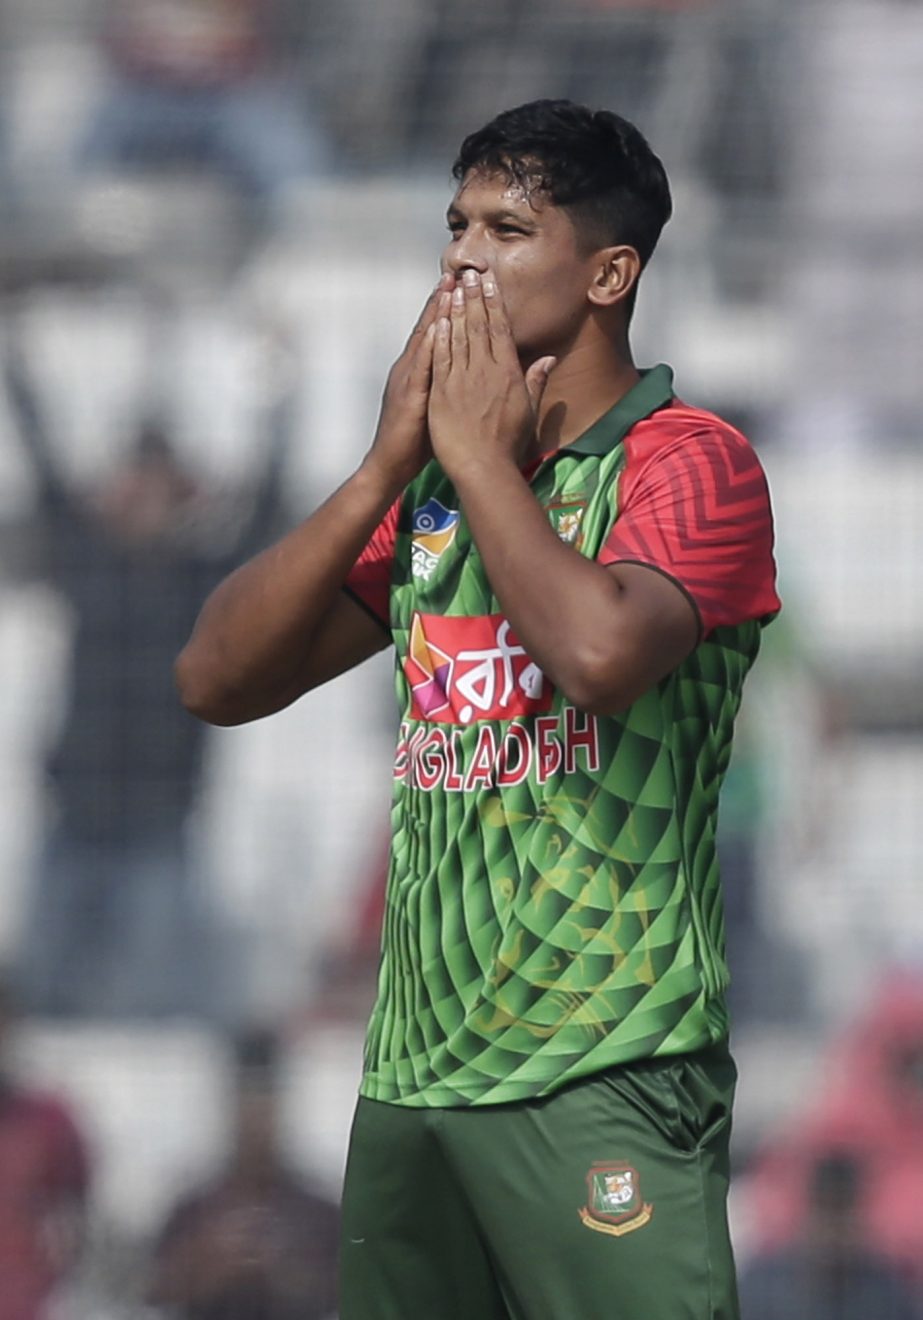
614,1202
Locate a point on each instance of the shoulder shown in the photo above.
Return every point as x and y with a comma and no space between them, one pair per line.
696,458
683,429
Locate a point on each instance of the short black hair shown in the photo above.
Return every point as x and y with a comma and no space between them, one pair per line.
592,163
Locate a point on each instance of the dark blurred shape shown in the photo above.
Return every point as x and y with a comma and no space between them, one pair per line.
870,1114
116,921
774,814
201,82
257,1242
832,1273
44,1180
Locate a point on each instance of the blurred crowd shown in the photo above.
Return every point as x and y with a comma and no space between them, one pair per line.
199,201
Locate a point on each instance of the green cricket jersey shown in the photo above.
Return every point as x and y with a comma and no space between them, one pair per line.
553,903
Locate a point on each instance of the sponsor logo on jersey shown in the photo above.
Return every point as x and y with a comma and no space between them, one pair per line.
614,1203
567,521
466,669
433,529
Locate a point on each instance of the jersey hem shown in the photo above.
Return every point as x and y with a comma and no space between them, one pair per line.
507,1093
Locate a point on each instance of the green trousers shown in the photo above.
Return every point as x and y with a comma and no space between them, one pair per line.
604,1201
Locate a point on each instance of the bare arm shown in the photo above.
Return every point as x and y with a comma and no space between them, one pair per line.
280,625
29,421
602,635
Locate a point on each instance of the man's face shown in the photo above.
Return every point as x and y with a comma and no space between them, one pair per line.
533,250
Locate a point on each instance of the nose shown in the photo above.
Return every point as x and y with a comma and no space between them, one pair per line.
466,252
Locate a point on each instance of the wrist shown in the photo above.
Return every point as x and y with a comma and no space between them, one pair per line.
475,468
383,478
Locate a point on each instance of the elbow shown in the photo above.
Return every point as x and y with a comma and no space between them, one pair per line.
200,692
601,683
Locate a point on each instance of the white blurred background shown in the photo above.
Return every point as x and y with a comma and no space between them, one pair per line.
217,221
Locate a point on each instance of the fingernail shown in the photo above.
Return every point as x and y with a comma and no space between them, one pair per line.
470,277
489,288
458,296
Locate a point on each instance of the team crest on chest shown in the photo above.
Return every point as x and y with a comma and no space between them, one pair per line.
567,520
614,1203
433,529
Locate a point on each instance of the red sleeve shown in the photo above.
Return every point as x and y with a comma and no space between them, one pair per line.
697,508
369,579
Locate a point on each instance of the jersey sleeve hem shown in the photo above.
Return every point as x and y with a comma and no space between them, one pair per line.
364,605
655,568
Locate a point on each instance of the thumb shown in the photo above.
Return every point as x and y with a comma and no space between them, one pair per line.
537,379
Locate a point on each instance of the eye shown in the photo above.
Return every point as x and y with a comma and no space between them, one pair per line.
509,231
455,227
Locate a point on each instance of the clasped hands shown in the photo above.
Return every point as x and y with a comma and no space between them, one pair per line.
458,390
482,407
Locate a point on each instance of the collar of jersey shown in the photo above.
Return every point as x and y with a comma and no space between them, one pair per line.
654,390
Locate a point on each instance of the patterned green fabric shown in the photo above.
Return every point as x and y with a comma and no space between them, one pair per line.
553,905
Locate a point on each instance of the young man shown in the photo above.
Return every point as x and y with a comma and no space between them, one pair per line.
573,567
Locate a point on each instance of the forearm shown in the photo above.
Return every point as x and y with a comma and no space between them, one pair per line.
564,608
250,650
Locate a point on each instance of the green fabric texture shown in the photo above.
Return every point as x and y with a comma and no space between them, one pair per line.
553,904
607,1198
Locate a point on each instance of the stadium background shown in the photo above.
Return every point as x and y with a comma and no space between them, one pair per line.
788,293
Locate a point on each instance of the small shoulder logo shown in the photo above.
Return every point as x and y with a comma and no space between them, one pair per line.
614,1202
433,529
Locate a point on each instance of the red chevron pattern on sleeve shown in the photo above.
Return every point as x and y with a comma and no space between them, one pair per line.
695,505
369,578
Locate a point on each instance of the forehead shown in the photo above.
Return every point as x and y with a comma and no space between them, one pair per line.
483,188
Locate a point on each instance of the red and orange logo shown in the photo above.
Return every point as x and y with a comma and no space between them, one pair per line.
464,669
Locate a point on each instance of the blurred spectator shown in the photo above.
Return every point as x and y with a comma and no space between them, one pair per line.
870,1109
117,922
831,1273
44,1177
773,819
256,1242
200,82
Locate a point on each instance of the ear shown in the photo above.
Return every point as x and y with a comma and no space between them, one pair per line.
616,274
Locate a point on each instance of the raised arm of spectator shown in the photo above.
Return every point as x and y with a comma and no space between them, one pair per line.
267,502
26,414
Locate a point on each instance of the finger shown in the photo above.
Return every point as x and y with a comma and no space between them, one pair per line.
537,379
418,355
418,345
459,330
475,314
431,307
442,349
501,338
421,368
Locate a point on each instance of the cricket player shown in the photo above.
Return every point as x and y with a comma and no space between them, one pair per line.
573,567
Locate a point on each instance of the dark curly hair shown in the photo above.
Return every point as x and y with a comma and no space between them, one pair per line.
592,163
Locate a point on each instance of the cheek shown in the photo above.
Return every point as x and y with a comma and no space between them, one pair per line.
540,300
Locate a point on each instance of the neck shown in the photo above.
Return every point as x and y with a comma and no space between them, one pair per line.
585,384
